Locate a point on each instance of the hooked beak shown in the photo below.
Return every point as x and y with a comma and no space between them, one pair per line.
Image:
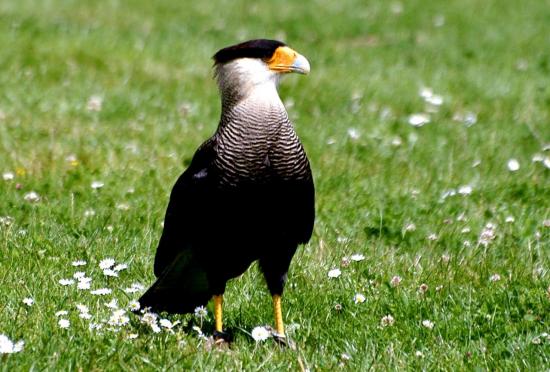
285,59
300,65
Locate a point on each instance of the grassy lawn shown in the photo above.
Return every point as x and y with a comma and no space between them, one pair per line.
455,236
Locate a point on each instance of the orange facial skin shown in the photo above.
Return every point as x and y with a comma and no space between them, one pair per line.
282,60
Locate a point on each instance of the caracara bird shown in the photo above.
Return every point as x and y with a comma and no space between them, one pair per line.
247,195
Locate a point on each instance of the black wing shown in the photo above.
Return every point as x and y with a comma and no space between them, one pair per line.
186,203
306,217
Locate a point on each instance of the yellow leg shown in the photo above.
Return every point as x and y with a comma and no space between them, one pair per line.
218,301
279,327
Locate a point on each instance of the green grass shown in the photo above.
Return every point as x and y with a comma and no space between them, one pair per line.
151,65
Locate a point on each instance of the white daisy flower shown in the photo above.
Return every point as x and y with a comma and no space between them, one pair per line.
101,291
396,141
448,193
149,318
260,334
435,100
82,285
8,347
6,220
537,158
64,323
120,267
470,118
357,257
513,165
410,227
113,304
461,217
201,312
78,263
353,133
334,273
345,261
28,301
89,213
97,185
487,235
106,263
118,318
428,324
94,103
8,176
134,305
494,278
426,92
387,321
72,160
418,120
165,323
465,190
82,308
132,336
122,206
61,313
32,197
85,315
93,326
109,272
359,298
66,281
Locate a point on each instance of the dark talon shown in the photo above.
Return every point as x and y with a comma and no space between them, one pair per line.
284,341
222,337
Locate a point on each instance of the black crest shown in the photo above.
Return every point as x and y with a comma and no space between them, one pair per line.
259,48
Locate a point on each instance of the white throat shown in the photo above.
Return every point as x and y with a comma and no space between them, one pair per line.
247,78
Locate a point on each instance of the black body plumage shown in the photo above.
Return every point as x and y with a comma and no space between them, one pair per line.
247,195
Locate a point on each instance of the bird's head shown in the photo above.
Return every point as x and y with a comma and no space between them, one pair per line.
245,66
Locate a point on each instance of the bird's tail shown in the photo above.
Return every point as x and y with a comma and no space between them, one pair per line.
180,288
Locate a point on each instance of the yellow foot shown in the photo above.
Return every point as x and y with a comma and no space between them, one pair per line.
218,302
278,313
